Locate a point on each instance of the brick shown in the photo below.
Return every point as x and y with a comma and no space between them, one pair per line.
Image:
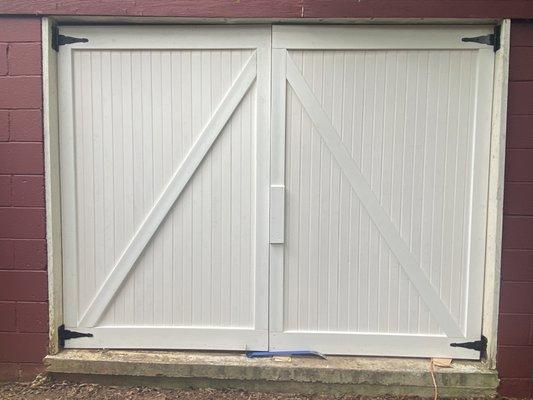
520,98
24,59
517,265
3,59
29,371
32,317
518,165
518,199
20,92
23,286
514,329
8,317
22,223
16,29
9,372
5,190
517,232
515,361
26,126
23,347
21,158
28,191
521,34
520,64
29,254
6,254
515,387
4,125
515,297
531,331
520,132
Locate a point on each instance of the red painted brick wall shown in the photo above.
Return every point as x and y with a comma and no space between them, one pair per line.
515,339
23,279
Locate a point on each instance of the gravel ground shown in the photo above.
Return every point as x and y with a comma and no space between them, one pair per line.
83,391
43,389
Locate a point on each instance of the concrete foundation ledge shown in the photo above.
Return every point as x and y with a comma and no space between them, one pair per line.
370,376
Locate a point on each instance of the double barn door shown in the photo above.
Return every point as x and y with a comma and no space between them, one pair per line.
275,187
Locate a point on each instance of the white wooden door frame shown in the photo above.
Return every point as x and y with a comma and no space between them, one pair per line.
256,70
52,166
285,73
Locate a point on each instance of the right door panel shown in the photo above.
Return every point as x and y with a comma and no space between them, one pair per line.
385,132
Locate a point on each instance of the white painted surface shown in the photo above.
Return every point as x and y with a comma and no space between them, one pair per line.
52,186
491,296
164,165
386,179
375,139
277,214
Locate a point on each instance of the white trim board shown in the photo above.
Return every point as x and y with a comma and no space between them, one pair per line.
52,185
376,37
491,297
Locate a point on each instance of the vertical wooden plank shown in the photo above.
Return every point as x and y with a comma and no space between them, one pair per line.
236,184
216,198
167,168
247,218
157,180
346,264
336,86
138,174
71,181
277,177
408,186
117,176
187,198
387,315
226,199
204,172
261,144
302,241
148,181
90,191
295,115
129,167
480,185
355,206
419,168
376,164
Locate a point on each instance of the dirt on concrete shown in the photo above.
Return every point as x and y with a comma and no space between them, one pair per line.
43,388
81,391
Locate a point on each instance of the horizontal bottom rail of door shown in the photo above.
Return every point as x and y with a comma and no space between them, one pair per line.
159,337
369,344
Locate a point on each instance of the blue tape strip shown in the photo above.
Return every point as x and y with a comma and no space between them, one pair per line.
285,353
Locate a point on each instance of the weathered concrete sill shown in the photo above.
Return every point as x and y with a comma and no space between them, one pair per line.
335,376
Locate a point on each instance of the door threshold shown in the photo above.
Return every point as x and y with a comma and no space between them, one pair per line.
338,375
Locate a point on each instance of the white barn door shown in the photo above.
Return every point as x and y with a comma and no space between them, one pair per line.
380,144
164,165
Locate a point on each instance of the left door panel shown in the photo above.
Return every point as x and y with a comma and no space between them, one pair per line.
164,141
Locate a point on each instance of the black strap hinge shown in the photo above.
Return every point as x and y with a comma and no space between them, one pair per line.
492,39
60,40
478,345
64,334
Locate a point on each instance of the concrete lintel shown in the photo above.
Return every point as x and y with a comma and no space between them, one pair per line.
334,376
